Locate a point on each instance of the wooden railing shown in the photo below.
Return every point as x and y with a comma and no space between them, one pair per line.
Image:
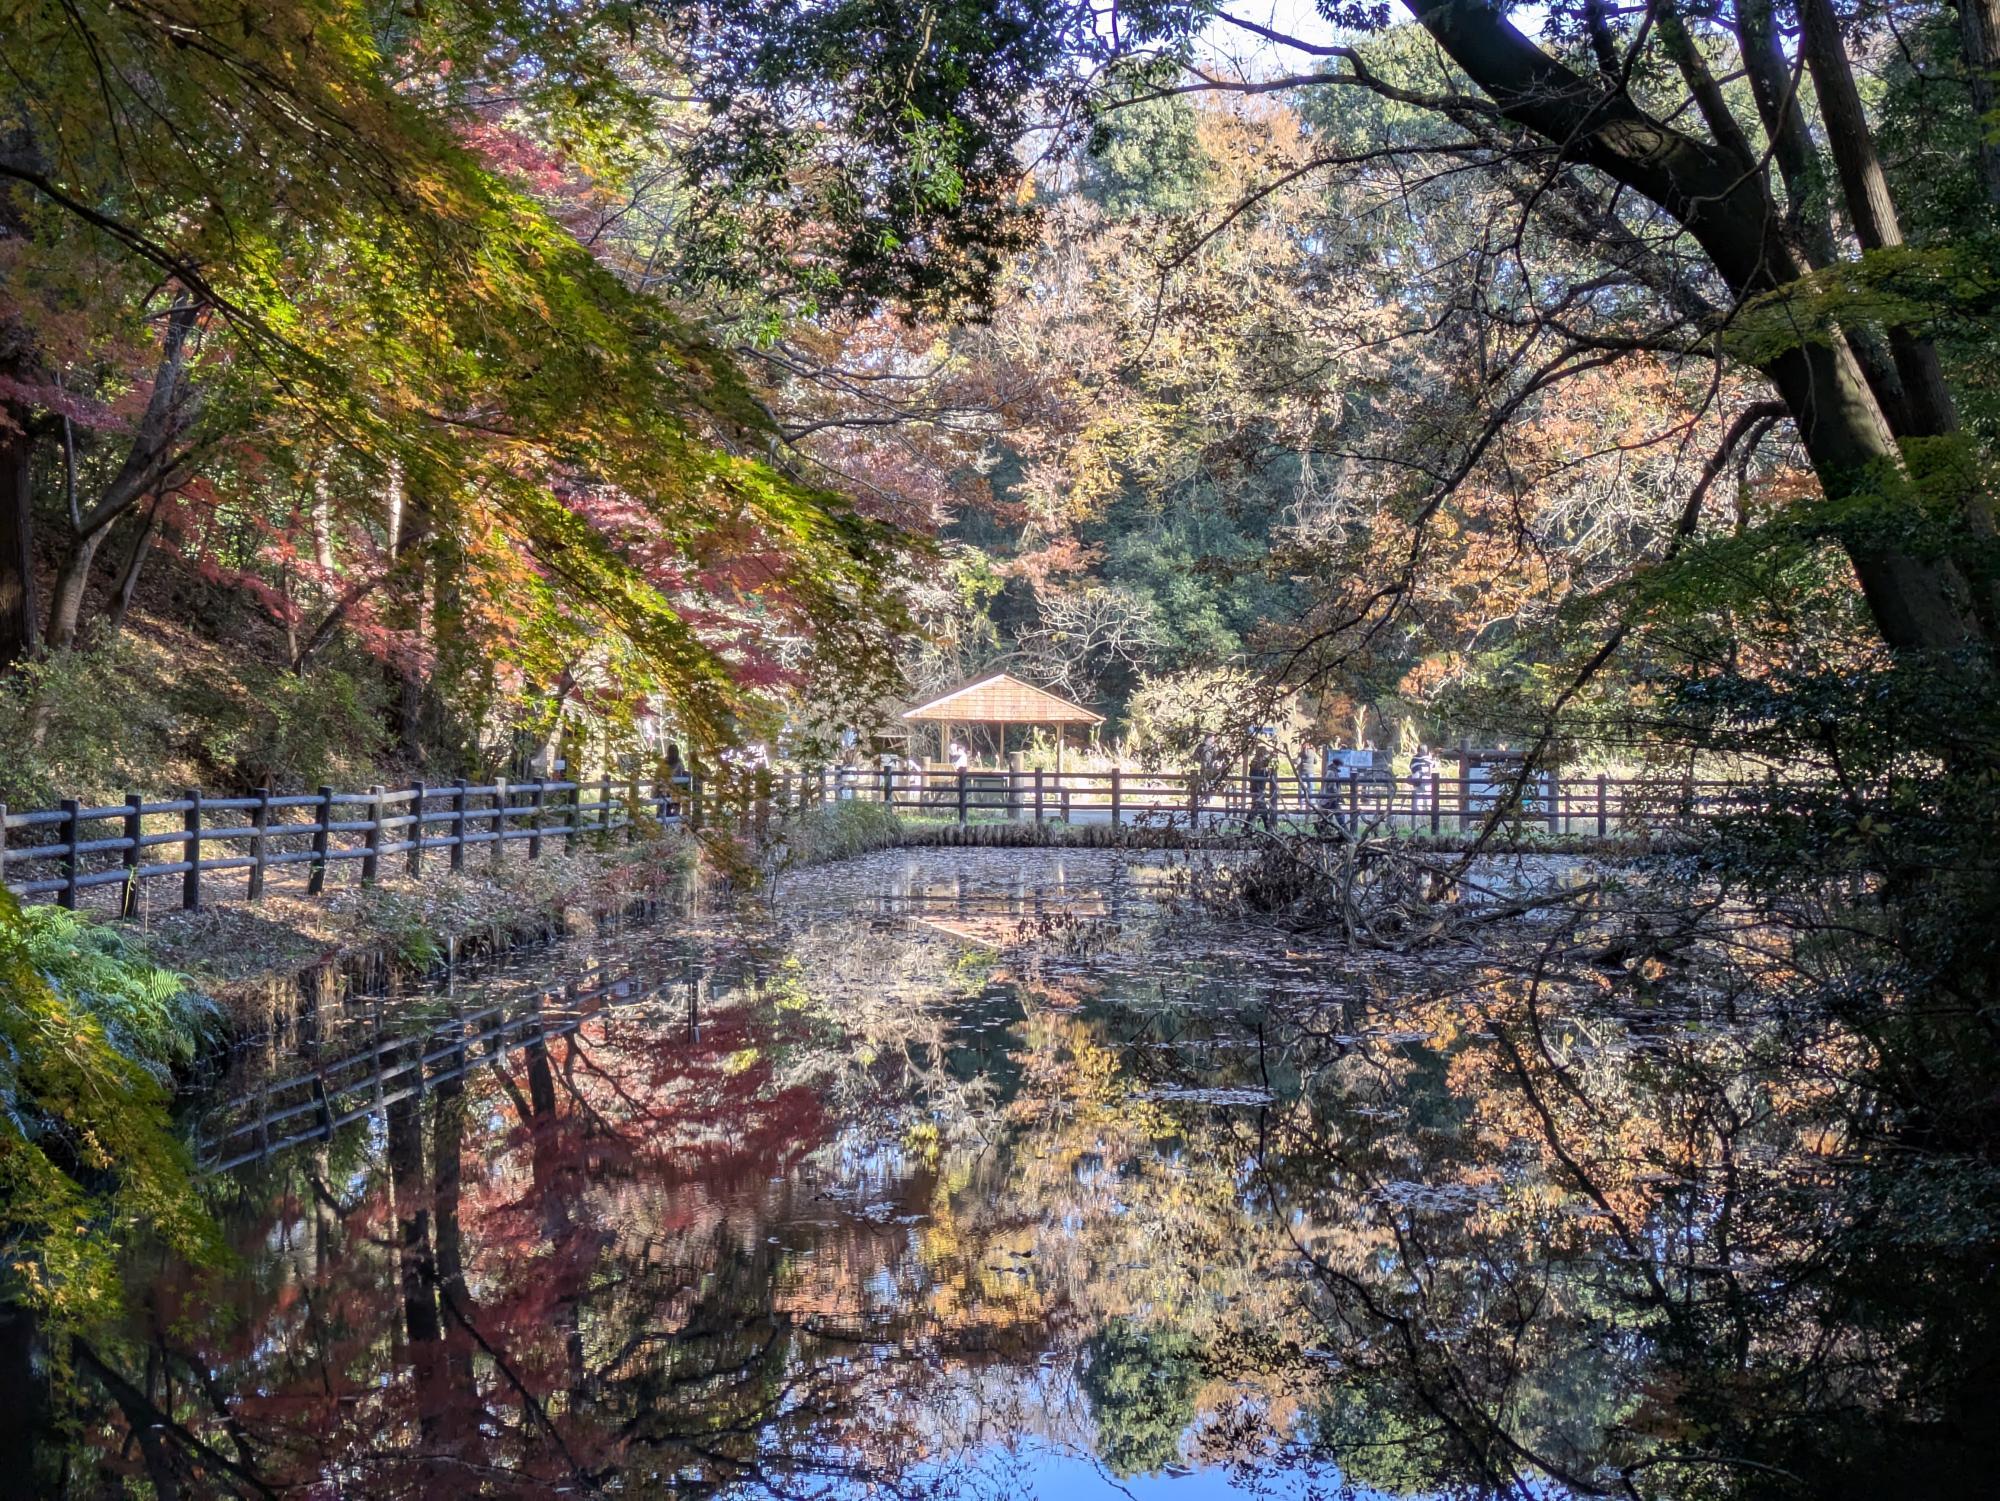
66,851
82,848
1592,805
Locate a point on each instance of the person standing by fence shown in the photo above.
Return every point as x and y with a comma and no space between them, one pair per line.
1423,780
1208,769
1332,762
1305,763
1264,782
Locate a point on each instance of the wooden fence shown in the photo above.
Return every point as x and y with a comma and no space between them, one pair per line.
113,846
63,852
1595,805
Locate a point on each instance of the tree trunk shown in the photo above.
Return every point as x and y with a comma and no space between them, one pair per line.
1703,89
408,525
128,582
1919,603
1927,408
1979,33
71,588
322,530
150,462
1773,86
20,619
24,1404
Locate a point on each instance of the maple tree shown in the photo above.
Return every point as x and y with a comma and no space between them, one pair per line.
394,363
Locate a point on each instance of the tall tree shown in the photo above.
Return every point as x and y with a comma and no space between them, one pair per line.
398,234
1621,134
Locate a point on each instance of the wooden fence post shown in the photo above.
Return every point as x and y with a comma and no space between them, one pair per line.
191,853
632,807
135,825
371,863
1603,819
540,800
1464,792
418,792
1038,794
1194,799
260,819
1354,802
499,822
72,836
1437,792
458,801
1555,801
1117,794
322,843
962,816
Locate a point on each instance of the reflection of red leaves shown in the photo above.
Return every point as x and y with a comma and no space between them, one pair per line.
653,1135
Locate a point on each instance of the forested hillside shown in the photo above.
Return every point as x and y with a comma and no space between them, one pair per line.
400,355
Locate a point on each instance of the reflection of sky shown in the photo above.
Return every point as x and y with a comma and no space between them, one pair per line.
1043,1472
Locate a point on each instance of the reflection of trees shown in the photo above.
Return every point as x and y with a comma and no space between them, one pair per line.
1610,1225
1142,1385
891,1194
562,1270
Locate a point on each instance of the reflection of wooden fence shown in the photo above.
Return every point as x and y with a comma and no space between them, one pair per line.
382,1069
206,836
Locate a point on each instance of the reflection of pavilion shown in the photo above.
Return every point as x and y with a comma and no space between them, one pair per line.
987,913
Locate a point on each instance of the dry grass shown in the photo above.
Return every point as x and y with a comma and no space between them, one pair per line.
235,949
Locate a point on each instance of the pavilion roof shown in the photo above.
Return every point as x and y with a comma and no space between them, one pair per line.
1001,698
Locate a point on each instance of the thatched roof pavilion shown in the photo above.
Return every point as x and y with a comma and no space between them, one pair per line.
1001,699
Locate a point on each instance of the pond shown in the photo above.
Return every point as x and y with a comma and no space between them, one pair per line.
996,1173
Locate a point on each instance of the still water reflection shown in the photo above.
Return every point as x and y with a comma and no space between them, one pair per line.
956,1173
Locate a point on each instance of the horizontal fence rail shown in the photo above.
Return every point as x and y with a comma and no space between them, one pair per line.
63,852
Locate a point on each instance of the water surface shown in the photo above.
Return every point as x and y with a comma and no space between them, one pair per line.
954,1173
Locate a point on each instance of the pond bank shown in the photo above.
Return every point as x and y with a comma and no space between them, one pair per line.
845,830
256,960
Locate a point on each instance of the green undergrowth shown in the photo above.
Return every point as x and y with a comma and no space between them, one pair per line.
91,1031
155,1016
836,831
139,715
